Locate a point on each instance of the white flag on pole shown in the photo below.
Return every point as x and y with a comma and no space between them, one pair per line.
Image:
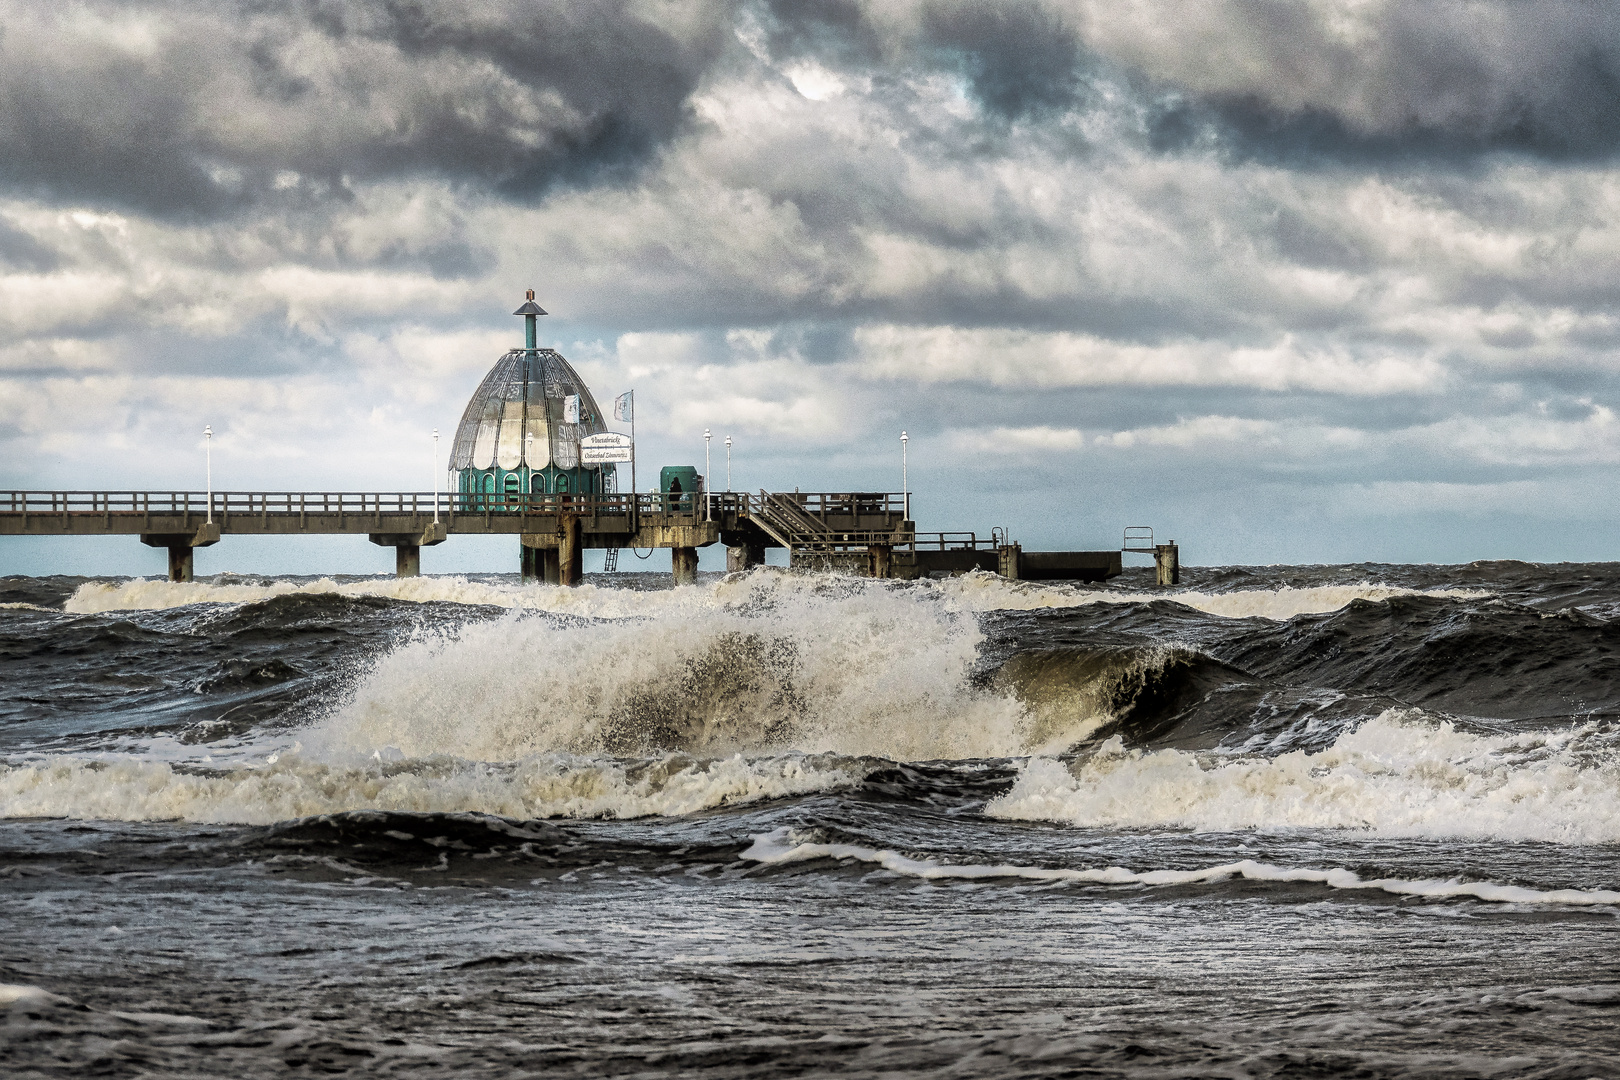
623,405
571,409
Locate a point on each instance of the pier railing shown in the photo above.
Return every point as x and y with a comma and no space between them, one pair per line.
951,541
225,504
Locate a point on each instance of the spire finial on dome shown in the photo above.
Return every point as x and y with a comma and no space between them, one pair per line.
529,310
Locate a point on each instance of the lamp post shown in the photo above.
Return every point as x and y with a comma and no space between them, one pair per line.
208,459
905,484
728,462
435,476
706,438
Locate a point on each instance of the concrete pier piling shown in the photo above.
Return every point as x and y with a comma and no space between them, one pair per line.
1167,564
684,563
1009,561
744,557
182,562
542,558
407,560
879,560
408,547
570,554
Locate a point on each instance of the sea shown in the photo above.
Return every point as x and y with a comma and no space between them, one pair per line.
1286,821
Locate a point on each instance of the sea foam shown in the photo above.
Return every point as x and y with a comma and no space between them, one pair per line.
1402,773
977,591
782,846
294,786
991,592
802,667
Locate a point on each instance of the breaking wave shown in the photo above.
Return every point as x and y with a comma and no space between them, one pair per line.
977,591
1399,774
981,591
296,786
869,672
144,594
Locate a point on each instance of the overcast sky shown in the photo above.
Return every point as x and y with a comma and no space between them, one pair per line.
1316,281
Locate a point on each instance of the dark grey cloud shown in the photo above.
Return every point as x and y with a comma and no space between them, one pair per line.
1272,80
1020,59
216,108
1450,79
186,108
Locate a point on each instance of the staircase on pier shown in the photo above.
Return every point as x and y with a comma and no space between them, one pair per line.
799,522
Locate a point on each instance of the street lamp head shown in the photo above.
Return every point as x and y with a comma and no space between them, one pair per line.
706,435
904,437
728,442
208,432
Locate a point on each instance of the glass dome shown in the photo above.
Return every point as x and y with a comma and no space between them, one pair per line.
516,418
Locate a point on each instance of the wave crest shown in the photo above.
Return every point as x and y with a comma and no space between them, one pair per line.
976,591
1399,774
873,673
294,786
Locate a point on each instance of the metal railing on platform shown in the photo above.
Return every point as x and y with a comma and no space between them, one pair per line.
949,541
1139,539
823,504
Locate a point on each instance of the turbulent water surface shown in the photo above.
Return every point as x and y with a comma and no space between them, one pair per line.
1287,821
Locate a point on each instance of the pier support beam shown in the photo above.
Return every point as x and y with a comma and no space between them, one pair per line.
408,548
542,557
527,563
1167,563
684,561
878,560
745,557
407,560
182,547
570,555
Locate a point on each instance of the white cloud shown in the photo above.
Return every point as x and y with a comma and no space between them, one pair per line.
1012,358
1024,442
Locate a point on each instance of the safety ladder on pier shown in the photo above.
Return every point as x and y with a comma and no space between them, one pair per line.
610,485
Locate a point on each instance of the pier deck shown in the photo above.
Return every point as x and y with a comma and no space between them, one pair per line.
865,531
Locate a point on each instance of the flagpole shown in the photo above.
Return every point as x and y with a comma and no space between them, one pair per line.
624,408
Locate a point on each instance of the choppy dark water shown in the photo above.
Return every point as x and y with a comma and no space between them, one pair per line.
1279,822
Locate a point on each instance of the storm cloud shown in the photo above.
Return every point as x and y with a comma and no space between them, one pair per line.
201,108
1309,280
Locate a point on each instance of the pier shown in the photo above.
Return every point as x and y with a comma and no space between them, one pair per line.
856,532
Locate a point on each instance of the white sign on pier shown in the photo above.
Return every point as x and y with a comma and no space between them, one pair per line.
606,448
